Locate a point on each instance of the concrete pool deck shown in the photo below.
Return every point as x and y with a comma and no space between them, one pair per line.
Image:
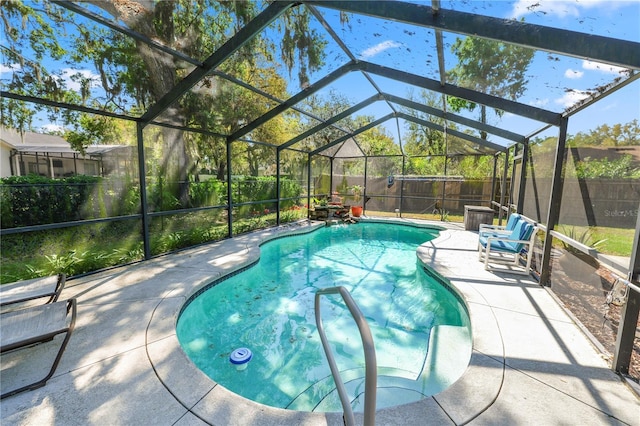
531,364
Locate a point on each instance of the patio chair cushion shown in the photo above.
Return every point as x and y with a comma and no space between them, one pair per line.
512,222
507,243
493,231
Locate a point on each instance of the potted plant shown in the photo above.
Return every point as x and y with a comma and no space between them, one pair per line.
320,203
356,208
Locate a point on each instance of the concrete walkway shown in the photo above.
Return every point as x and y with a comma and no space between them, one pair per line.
530,364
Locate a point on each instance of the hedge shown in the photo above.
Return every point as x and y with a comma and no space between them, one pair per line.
37,200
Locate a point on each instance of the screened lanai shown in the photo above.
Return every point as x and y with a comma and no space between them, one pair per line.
246,115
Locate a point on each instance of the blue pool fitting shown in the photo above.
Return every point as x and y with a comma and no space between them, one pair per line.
240,356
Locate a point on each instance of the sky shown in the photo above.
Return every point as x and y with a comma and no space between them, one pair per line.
555,82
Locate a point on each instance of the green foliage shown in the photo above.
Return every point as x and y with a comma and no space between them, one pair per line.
356,190
491,67
627,134
249,188
74,250
290,190
425,166
471,167
307,42
25,29
322,201
605,169
32,200
375,141
160,195
207,193
132,77
582,235
66,263
423,140
624,167
37,200
293,214
91,130
73,262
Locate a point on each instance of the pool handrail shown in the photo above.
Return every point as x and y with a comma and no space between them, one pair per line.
371,368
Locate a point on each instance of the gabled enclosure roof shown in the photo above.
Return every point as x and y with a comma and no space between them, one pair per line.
381,54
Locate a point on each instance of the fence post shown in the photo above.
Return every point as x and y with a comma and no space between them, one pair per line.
142,178
278,187
630,311
229,192
626,332
553,212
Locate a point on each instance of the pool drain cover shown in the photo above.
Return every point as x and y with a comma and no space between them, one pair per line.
240,356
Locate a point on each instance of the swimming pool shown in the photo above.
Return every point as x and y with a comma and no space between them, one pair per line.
420,326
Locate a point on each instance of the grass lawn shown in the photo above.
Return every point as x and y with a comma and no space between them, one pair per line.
612,241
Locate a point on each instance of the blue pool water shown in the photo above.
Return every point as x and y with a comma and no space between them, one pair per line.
419,326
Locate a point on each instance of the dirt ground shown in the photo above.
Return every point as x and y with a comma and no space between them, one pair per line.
582,285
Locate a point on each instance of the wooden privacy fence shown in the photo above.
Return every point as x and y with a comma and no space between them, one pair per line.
587,202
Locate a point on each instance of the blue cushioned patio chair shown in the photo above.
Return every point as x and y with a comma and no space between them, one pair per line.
486,229
509,249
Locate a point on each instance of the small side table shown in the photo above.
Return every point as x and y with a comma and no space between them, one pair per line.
475,215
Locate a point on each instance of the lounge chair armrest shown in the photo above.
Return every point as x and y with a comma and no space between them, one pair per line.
494,232
491,227
506,240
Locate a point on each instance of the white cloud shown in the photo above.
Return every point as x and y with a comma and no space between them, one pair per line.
598,66
71,80
379,48
52,128
9,69
572,97
560,8
539,102
573,74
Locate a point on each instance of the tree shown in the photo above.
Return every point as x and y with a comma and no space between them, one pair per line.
423,140
490,67
616,135
325,108
231,106
133,75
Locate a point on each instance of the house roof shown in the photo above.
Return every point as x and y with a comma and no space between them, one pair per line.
43,143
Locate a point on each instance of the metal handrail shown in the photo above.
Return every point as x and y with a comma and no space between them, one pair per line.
371,368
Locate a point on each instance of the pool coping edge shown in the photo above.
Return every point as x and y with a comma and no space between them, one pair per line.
208,400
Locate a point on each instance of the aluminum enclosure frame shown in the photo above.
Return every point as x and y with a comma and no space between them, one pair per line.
607,50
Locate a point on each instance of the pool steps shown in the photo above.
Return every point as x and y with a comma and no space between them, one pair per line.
448,353
371,366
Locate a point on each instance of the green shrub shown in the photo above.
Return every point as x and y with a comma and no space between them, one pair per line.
604,168
37,200
160,195
207,193
250,188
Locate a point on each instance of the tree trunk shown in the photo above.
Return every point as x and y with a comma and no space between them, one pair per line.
162,72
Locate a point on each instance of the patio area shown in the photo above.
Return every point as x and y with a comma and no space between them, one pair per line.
531,364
